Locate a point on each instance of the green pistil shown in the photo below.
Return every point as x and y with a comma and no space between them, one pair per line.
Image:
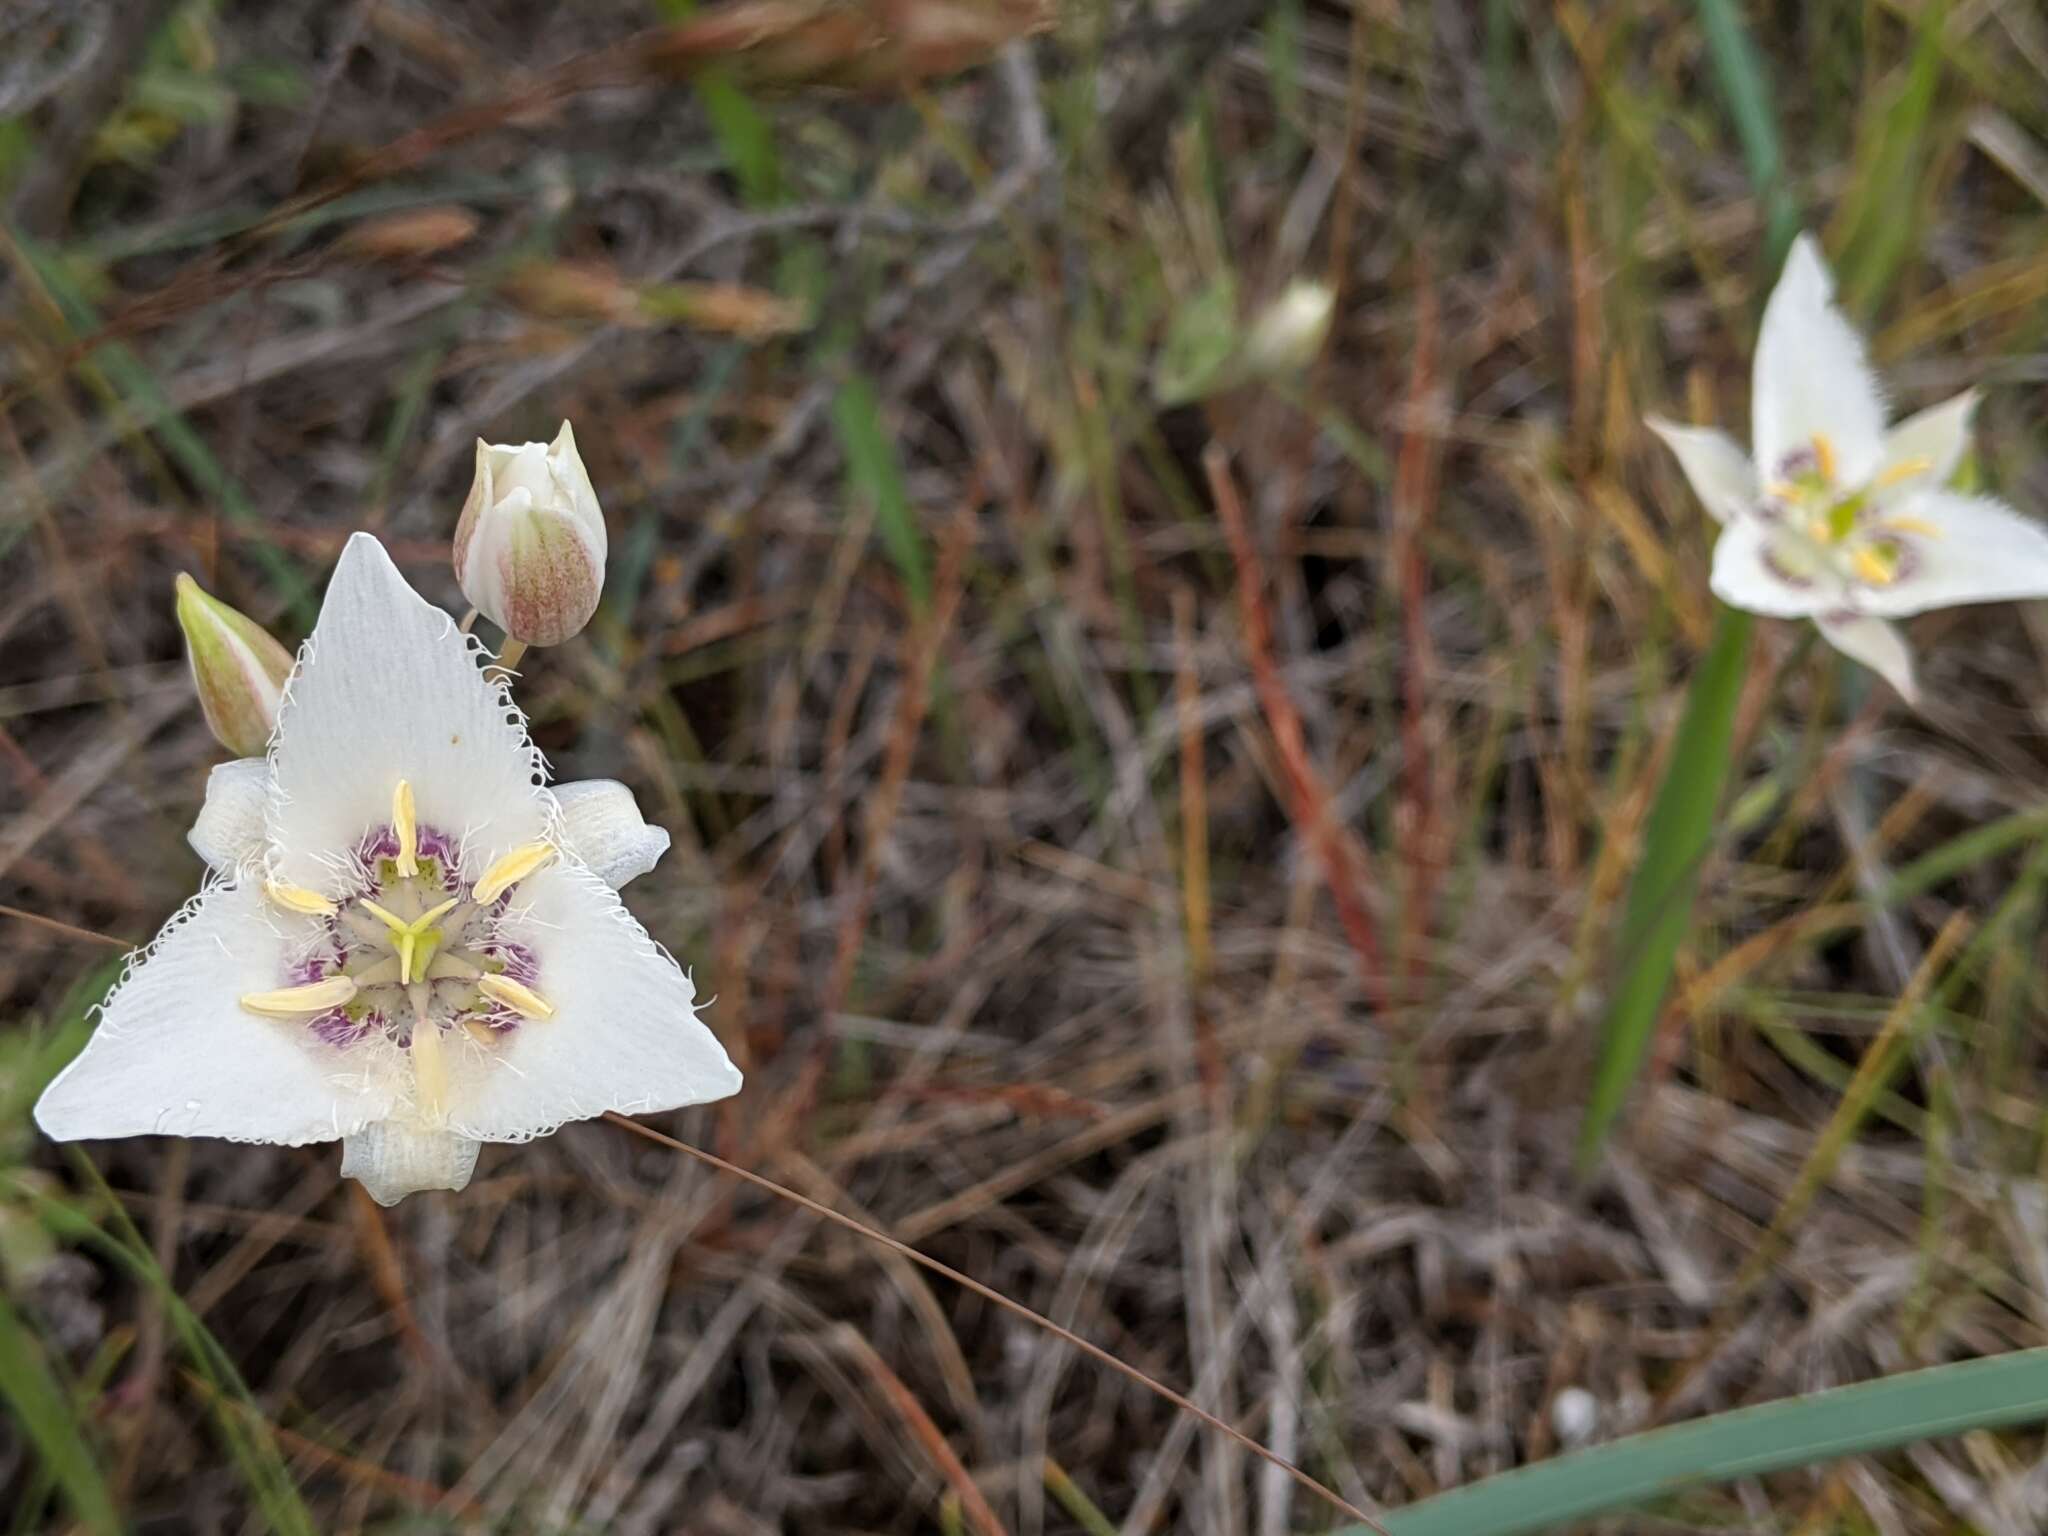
1843,514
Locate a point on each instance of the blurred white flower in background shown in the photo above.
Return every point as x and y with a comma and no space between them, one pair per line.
1288,333
1833,517
1574,1416
412,945
530,548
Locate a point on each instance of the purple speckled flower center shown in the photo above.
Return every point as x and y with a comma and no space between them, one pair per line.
453,954
1823,528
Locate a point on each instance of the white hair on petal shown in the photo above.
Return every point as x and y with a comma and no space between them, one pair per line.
615,1102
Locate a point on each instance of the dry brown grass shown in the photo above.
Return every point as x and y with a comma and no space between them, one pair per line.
1038,914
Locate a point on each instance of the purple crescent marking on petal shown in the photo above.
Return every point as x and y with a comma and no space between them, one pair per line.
1791,579
1800,461
521,964
336,1028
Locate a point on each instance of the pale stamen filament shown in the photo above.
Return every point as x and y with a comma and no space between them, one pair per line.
314,997
405,825
521,999
1872,567
1905,469
296,898
429,1064
509,870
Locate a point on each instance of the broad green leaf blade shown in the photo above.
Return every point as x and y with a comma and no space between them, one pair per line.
1660,899
1822,1426
40,1406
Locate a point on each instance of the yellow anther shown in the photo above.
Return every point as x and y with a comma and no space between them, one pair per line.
1784,490
314,997
522,1000
1824,456
1873,567
429,1067
1921,526
383,915
1905,469
407,828
1818,530
482,1034
296,898
510,870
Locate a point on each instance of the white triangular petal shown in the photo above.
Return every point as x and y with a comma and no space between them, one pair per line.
1937,437
1985,553
228,833
1875,643
602,825
1813,376
387,689
395,1158
175,1054
1745,576
624,1034
1720,472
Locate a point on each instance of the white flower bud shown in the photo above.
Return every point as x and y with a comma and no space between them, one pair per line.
1575,1415
238,670
530,549
1289,332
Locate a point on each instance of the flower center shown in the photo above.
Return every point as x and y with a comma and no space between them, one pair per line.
1824,528
410,950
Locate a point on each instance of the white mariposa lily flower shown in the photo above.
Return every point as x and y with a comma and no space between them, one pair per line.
1833,517
411,945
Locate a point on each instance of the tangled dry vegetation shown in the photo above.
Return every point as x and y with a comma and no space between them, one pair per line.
1196,928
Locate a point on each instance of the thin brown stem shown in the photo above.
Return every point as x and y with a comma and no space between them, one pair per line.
1308,798
995,1297
69,930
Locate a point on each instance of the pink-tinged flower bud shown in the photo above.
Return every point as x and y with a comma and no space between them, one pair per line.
238,669
529,551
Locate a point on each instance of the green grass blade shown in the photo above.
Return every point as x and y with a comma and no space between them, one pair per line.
151,410
873,475
745,135
238,1418
1660,899
1822,1426
1740,74
1681,824
1965,851
1881,214
39,1404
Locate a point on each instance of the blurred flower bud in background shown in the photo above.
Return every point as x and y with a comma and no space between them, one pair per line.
530,549
1209,349
1289,332
237,668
